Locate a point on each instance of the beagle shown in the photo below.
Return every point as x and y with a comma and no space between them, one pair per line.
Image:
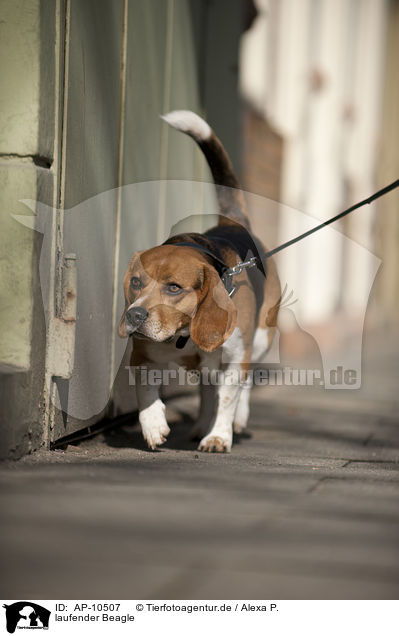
182,306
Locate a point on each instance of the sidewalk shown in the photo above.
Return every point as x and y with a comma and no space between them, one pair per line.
305,506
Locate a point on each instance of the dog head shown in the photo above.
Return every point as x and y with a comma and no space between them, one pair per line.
171,290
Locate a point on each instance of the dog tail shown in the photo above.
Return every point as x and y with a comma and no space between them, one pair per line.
232,208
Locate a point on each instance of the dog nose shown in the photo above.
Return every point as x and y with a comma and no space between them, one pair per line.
136,316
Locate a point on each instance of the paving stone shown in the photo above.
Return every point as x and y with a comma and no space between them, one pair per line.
305,506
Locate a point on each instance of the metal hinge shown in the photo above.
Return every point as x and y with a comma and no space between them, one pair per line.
61,345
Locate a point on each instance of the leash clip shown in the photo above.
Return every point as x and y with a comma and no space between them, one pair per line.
234,271
237,269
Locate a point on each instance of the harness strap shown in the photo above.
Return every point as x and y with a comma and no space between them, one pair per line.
221,263
226,273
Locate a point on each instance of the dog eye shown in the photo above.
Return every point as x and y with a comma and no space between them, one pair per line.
135,282
173,288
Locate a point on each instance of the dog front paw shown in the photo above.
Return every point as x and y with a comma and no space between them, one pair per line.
154,425
155,435
215,444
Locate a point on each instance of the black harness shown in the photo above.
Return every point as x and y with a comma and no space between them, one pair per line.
242,243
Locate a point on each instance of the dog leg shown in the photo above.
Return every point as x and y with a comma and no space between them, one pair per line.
236,356
220,438
152,418
242,413
261,345
203,424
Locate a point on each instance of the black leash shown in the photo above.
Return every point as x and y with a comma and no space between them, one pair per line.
252,262
227,273
367,201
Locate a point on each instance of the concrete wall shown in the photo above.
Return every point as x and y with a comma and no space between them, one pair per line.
25,173
19,133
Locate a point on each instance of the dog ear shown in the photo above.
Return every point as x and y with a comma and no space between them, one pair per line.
122,324
216,314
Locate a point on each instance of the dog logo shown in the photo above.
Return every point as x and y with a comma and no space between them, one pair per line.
26,615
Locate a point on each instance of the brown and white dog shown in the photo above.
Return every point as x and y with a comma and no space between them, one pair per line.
177,308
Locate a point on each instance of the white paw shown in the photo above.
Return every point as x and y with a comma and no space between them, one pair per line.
216,443
154,425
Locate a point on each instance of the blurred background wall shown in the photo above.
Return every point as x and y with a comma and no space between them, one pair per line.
304,95
322,76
